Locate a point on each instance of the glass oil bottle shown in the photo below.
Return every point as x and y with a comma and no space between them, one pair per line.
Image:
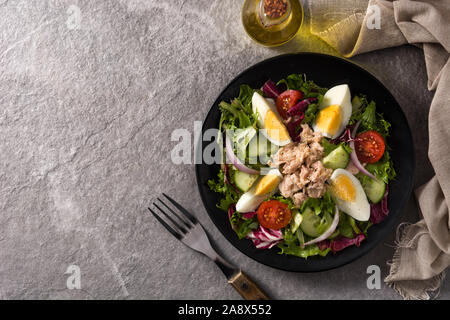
272,22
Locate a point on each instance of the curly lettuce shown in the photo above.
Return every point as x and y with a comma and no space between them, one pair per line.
241,225
370,119
238,113
229,195
291,245
319,205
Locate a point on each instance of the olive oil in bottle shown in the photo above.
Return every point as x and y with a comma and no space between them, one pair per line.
272,22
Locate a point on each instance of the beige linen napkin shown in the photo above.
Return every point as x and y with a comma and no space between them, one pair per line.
350,26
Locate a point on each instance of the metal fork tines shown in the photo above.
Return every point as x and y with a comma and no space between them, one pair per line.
186,228
180,228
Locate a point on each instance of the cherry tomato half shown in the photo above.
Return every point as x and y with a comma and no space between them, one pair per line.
369,146
287,100
274,214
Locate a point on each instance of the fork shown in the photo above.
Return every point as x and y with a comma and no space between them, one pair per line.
186,228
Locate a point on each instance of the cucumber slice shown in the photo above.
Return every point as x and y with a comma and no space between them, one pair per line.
338,158
244,181
314,225
375,190
296,221
253,148
260,149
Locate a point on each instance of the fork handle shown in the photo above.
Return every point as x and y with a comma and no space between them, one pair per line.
246,287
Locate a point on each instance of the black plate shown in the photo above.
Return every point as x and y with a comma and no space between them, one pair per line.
326,71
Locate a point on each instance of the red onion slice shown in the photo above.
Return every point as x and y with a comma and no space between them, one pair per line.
327,233
354,156
235,160
355,129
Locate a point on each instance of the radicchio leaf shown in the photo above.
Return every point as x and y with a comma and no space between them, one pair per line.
380,210
296,115
264,238
248,215
270,89
300,107
293,127
341,243
346,136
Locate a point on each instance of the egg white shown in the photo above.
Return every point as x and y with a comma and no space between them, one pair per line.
249,201
260,105
340,96
359,209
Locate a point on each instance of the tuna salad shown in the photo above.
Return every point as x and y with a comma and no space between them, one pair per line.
305,168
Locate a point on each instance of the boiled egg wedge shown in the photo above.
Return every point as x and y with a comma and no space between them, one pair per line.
264,187
349,195
269,120
334,113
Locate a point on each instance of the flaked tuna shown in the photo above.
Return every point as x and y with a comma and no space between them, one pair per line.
303,172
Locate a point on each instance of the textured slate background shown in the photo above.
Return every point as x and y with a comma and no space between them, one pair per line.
87,107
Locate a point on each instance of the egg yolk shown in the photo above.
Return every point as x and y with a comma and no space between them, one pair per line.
274,127
342,187
329,119
266,184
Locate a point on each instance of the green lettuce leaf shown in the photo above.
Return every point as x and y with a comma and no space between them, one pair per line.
310,114
229,195
344,226
293,81
370,119
383,169
328,147
245,98
241,225
238,113
364,226
319,205
291,245
369,116
287,201
311,89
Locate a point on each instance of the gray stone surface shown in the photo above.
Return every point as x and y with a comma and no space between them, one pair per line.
86,114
